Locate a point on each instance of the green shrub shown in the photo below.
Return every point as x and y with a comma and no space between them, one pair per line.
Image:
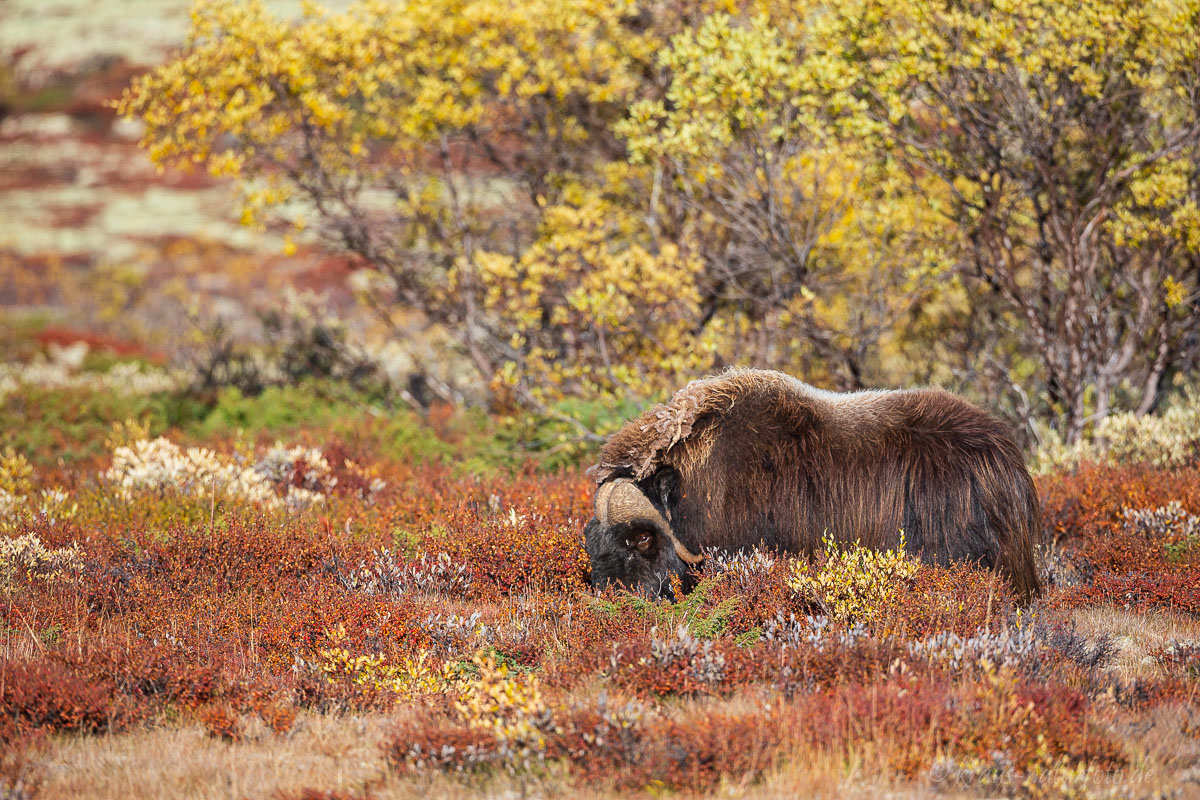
70,425
280,408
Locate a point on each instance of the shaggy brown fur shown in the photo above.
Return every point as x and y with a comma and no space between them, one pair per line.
756,457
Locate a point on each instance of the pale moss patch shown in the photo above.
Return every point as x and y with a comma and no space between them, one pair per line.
30,556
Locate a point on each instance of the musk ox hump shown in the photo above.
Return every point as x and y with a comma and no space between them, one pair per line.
676,433
639,449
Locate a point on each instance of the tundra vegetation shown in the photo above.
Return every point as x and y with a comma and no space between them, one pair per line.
341,607
332,546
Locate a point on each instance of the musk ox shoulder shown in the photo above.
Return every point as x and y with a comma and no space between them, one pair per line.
758,458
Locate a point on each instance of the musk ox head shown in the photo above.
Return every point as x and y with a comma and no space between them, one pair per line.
631,544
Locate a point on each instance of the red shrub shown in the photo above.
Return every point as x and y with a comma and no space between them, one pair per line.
279,718
912,720
1180,658
148,674
1087,503
221,722
47,695
960,599
68,336
694,753
1172,590
758,583
434,743
680,665
1132,569
510,555
998,713
624,750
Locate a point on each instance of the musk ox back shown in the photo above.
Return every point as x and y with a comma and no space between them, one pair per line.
755,457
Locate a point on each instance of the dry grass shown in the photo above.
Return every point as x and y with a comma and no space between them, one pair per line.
1136,635
333,753
343,754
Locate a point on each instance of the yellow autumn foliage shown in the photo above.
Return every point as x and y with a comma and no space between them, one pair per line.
852,583
601,198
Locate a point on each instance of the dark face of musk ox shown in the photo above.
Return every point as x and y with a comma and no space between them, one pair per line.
636,556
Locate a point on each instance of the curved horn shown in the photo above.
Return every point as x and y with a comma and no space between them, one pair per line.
602,495
620,500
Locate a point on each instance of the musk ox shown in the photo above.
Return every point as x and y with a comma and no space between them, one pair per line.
758,458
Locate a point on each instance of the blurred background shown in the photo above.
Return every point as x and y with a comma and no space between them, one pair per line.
94,237
534,219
